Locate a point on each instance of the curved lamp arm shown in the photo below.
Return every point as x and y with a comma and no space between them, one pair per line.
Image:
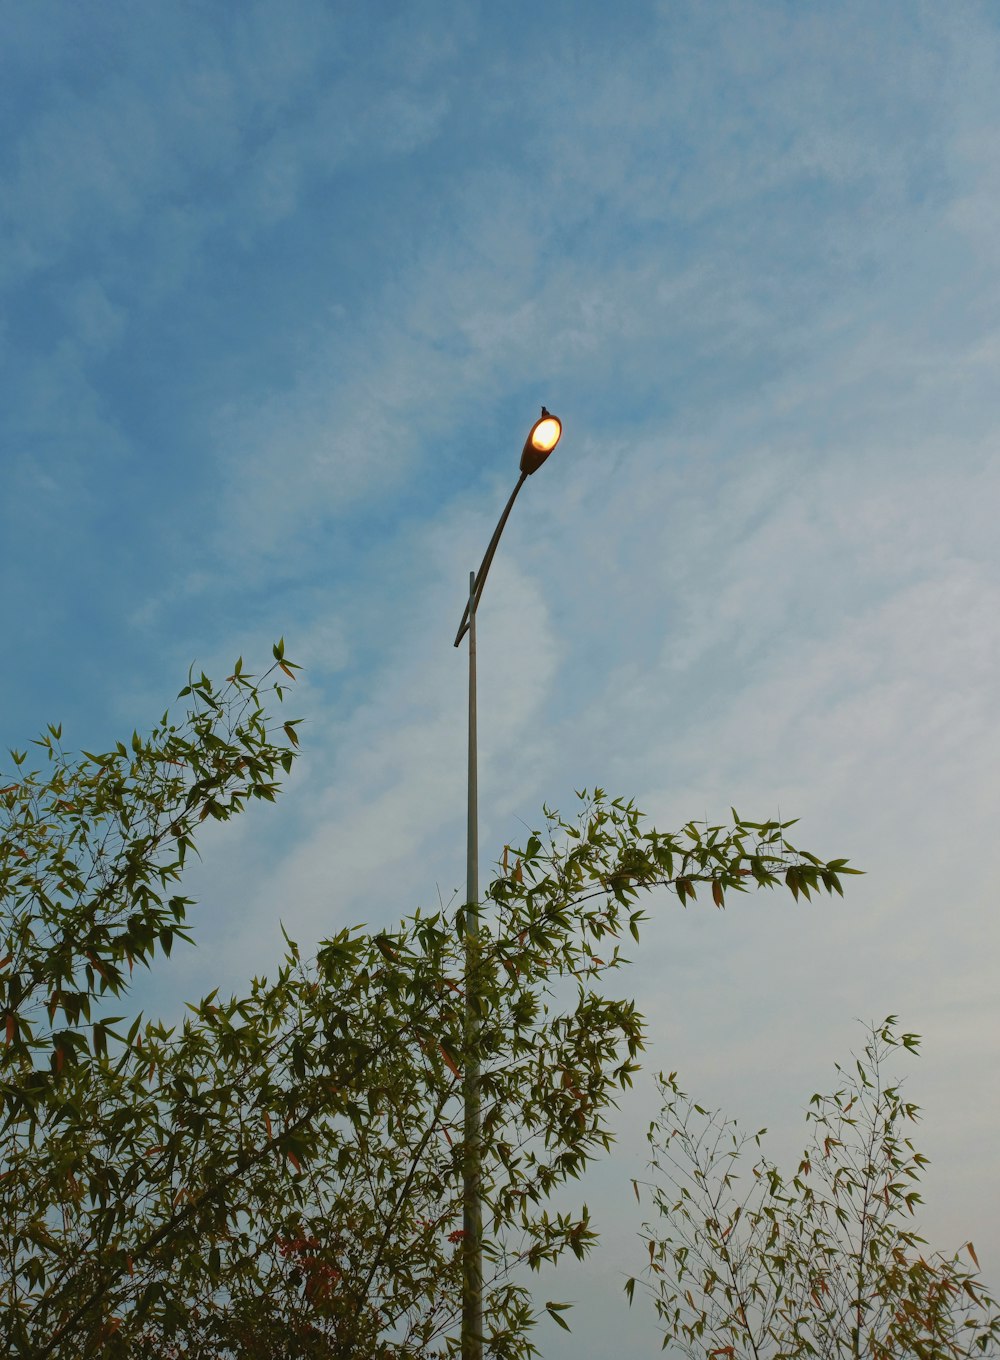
542,438
480,581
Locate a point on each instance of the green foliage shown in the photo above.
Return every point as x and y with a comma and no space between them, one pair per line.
825,1263
281,1174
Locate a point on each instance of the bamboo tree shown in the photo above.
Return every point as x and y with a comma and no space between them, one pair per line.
280,1175
824,1263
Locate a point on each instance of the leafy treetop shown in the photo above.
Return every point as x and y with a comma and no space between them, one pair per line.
281,1174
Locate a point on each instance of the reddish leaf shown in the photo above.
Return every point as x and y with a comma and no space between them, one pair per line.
972,1252
449,1060
294,1161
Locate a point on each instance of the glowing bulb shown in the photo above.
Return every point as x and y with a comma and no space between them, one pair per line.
545,435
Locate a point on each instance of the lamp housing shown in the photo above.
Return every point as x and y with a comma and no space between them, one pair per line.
542,438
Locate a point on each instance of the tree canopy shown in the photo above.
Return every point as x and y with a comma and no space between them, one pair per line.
280,1175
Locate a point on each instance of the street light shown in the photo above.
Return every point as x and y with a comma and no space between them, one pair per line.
542,439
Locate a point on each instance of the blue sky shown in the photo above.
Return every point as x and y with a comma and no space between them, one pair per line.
282,287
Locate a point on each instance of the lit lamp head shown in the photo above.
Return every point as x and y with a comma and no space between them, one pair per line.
543,438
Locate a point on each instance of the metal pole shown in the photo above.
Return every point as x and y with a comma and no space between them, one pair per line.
472,1209
532,457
